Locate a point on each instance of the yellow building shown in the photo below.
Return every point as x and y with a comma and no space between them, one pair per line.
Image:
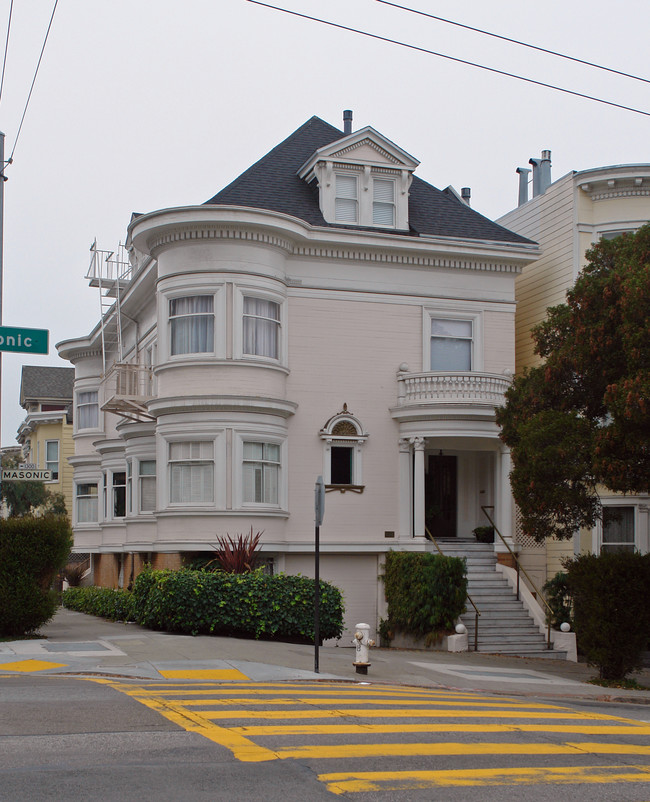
46,433
566,217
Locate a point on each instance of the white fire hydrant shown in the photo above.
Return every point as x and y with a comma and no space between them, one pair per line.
362,643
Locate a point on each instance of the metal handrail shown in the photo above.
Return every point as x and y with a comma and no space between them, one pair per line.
477,612
520,568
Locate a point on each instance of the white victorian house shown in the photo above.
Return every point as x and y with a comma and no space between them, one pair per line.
328,313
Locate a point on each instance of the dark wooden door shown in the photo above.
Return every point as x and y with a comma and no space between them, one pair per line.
441,495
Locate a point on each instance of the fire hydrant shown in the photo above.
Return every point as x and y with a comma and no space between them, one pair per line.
362,643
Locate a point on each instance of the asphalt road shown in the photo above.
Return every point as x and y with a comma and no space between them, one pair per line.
110,739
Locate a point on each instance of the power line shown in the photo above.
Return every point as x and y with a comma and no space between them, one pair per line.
515,41
22,119
4,61
453,58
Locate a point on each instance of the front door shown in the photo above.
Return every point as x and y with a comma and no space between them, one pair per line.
441,496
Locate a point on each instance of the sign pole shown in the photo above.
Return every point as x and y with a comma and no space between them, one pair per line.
319,511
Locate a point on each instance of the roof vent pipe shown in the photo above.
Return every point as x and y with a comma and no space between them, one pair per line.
523,172
535,163
466,194
347,121
545,171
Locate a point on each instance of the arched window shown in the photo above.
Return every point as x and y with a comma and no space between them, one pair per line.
343,437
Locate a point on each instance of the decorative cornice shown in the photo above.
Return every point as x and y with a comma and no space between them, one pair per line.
409,260
620,193
189,233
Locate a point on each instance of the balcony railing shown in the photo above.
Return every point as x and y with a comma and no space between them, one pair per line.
483,389
126,388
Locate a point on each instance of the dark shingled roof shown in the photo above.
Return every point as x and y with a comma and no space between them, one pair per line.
46,383
272,183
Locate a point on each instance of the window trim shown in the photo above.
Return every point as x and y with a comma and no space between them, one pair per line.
259,435
599,529
89,496
186,290
475,317
355,442
211,503
241,292
172,318
55,474
77,417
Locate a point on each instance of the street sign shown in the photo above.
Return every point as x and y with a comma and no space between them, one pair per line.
33,341
319,501
18,475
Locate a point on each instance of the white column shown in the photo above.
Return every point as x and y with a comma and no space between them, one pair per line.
405,492
503,500
418,487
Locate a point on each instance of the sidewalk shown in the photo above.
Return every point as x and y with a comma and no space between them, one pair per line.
78,644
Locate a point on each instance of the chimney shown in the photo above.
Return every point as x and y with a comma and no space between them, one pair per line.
347,121
523,172
466,194
545,171
535,163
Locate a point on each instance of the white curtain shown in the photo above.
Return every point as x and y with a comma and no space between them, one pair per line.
192,324
261,327
451,345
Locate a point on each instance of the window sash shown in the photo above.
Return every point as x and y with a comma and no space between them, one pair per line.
383,205
119,494
261,325
451,344
261,473
618,529
87,503
147,485
191,472
52,457
87,410
191,322
345,203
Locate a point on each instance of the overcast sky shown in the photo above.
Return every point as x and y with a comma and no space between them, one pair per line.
146,104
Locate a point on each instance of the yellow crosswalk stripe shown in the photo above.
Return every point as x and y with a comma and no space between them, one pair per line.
226,701
350,782
330,751
361,729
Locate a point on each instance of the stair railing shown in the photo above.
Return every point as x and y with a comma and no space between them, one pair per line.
520,569
469,598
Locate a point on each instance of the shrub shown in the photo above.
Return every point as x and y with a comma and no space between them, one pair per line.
559,600
32,551
610,609
216,603
116,605
425,592
484,534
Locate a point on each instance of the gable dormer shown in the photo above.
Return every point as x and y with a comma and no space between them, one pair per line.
363,180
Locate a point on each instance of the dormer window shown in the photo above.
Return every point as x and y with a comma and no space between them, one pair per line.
346,204
363,179
383,202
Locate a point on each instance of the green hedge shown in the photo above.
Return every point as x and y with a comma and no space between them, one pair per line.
425,593
199,602
32,551
116,605
610,609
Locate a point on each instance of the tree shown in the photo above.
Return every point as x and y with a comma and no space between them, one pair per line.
582,418
23,498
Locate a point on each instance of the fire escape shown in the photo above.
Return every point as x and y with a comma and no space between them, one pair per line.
126,386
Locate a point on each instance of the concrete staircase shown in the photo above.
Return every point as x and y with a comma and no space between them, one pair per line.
505,626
